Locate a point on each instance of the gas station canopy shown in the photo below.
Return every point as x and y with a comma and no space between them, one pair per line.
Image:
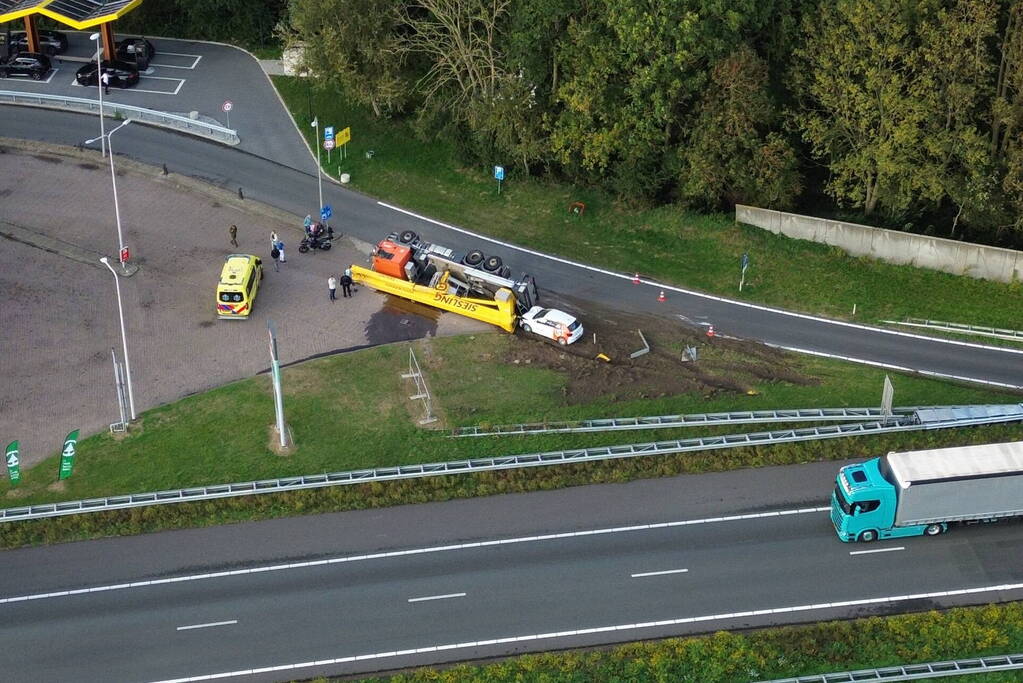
80,14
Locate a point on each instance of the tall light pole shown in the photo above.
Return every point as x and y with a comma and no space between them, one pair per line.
316,144
124,339
117,205
99,86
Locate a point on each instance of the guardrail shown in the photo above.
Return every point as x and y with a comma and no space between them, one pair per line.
75,507
176,122
915,672
945,326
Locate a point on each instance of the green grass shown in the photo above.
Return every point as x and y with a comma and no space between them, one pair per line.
666,243
351,411
730,657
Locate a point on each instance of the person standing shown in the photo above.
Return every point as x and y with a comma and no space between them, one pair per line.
274,255
332,287
233,231
280,248
273,241
105,79
346,285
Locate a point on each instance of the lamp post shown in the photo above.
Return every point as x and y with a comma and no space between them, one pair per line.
99,86
124,339
316,144
113,181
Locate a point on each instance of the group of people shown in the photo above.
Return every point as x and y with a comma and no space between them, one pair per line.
277,251
277,256
346,284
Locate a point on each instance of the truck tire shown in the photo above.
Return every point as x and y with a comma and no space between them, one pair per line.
474,258
407,236
868,536
933,529
492,264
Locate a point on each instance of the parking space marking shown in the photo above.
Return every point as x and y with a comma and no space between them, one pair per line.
53,72
176,54
181,82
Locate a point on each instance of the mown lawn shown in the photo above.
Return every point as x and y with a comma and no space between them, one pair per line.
696,251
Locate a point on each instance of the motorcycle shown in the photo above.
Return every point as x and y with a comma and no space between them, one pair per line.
316,238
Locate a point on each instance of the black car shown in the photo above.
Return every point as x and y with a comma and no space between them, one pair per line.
30,64
50,42
136,51
122,74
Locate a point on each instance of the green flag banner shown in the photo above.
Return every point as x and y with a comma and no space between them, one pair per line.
13,463
67,458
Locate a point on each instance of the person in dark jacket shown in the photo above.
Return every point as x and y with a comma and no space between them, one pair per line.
346,285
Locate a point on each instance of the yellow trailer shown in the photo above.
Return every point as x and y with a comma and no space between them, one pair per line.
498,311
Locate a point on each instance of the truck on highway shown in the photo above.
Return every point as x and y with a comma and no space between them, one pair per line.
923,492
470,284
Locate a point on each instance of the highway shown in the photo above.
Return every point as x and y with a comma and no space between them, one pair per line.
367,584
294,190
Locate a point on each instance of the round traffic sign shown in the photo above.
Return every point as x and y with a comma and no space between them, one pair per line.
228,106
328,145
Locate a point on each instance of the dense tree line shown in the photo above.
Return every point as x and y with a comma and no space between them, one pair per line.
906,113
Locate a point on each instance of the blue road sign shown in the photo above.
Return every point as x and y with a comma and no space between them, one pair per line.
745,262
499,172
328,133
326,212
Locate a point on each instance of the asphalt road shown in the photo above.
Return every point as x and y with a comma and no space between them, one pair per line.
294,190
615,583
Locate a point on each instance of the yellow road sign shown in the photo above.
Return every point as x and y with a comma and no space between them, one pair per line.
344,136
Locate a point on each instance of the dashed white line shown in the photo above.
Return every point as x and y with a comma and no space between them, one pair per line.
876,550
437,597
618,628
209,625
416,551
661,573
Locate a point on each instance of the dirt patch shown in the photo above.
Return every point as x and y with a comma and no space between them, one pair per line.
723,365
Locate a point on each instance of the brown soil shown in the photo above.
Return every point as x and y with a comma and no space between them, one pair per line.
724,366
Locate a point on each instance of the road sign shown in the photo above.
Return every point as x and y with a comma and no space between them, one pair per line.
345,136
328,144
499,172
745,262
125,254
326,212
227,106
328,133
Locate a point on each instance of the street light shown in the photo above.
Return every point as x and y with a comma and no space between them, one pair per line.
99,84
113,181
316,144
124,339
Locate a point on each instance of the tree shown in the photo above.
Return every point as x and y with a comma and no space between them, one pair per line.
854,79
732,154
351,44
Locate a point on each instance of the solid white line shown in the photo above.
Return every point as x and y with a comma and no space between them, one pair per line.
877,550
210,625
161,78
437,597
667,571
604,629
702,295
416,551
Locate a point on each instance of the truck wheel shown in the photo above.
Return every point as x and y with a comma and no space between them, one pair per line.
868,536
474,258
492,264
526,328
407,236
933,529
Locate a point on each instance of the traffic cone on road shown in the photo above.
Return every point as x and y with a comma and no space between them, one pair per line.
710,331
635,279
661,297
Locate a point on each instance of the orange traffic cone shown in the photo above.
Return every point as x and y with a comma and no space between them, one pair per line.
710,331
635,279
661,297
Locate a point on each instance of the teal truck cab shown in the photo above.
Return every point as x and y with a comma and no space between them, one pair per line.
922,492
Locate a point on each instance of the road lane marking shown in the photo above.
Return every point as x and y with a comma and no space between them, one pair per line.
876,550
437,597
618,628
704,295
667,571
415,551
209,625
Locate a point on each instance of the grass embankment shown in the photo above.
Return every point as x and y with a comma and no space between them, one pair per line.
691,250
771,653
352,411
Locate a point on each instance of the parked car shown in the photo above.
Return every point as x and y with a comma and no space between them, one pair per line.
122,74
552,324
28,64
50,42
136,51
